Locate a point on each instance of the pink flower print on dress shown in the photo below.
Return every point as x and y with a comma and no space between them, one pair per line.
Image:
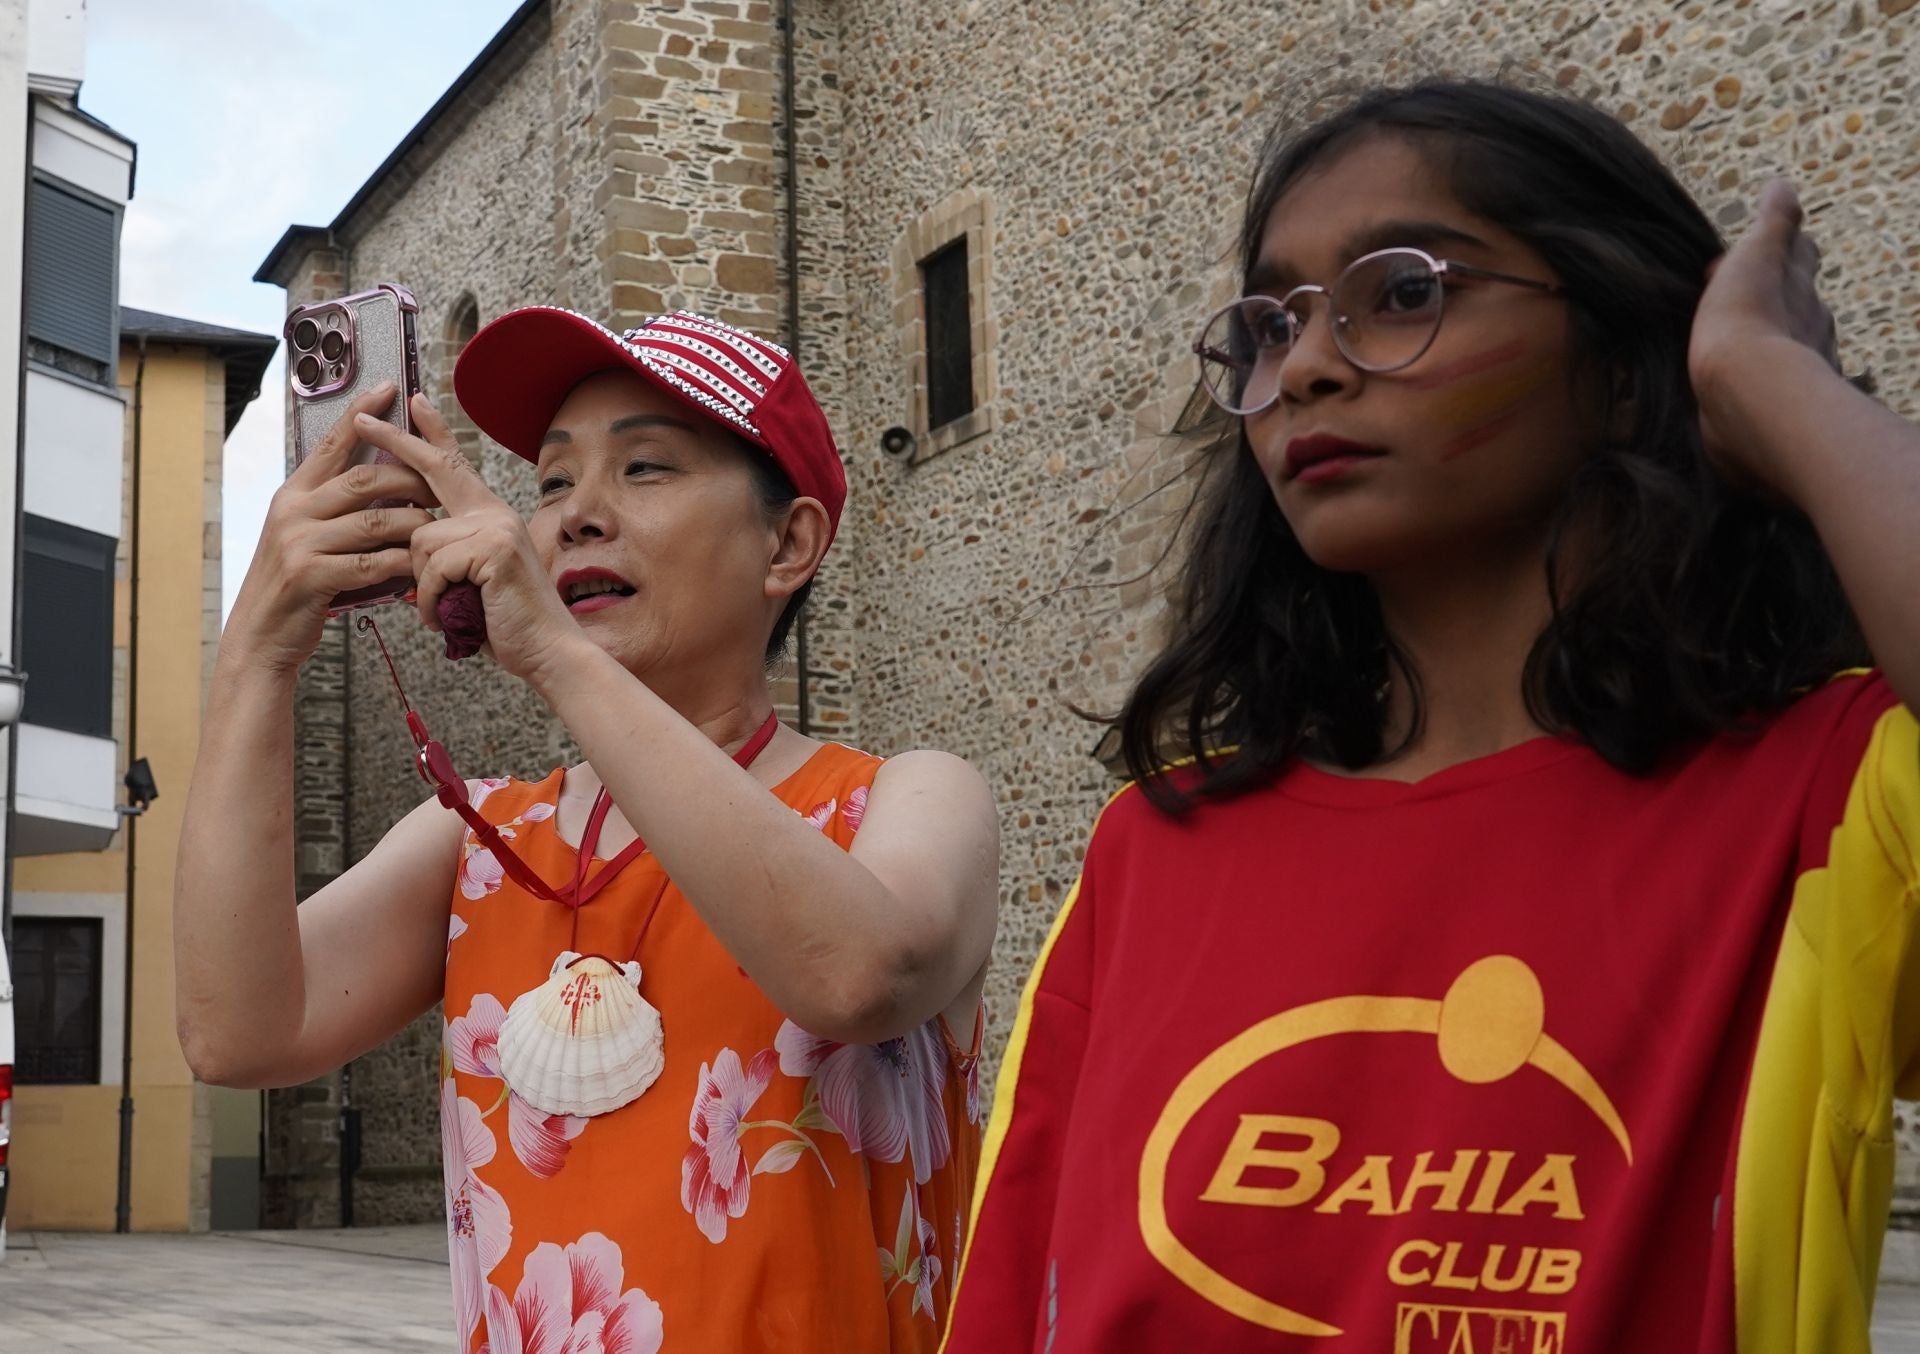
822,813
856,808
569,1302
479,790
539,1140
473,1040
929,1271
479,1228
885,1099
714,1177
971,1067
480,873
902,1266
456,927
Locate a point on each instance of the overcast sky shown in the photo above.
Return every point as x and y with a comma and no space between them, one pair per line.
250,116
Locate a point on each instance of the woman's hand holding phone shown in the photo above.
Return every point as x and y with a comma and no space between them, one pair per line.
323,537
481,543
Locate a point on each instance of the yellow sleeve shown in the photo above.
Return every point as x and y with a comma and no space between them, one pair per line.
1840,1037
1887,796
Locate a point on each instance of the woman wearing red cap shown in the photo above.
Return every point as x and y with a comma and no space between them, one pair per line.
712,996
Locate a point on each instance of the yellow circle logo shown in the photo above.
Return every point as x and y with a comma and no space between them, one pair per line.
1490,1025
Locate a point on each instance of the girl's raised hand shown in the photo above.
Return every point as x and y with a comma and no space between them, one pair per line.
1761,305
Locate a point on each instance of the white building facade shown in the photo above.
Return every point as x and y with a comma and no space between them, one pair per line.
61,428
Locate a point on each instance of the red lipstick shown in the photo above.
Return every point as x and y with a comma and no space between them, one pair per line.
592,589
1321,456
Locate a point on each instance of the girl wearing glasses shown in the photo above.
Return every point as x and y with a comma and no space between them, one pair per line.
1509,940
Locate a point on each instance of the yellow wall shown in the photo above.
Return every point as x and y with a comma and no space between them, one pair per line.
66,1158
65,1149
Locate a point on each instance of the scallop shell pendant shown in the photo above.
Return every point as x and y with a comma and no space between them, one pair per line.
585,1041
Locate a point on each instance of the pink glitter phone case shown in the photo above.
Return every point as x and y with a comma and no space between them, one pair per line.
336,351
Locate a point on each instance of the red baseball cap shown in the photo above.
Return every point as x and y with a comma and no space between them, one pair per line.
514,374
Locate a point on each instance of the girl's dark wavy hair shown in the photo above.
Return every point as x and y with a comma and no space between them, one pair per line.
1704,607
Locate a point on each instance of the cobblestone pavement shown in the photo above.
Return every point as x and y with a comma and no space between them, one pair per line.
379,1289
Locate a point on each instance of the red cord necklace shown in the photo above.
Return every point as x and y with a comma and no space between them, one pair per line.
584,1041
583,889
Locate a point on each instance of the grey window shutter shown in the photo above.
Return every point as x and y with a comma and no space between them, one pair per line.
66,627
72,247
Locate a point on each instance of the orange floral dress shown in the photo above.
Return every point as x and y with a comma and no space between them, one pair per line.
771,1191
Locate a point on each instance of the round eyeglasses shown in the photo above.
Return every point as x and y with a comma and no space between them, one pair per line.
1384,308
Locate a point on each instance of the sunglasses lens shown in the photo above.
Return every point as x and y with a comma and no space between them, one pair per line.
1240,354
1386,309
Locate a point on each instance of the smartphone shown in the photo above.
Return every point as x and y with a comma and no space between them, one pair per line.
336,351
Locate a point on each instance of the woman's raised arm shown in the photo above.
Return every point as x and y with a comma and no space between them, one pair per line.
267,993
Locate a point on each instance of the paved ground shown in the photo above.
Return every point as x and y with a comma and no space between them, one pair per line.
1896,1320
379,1289
258,1292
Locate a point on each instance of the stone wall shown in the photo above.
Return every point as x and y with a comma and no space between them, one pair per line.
300,1162
635,162
830,632
471,238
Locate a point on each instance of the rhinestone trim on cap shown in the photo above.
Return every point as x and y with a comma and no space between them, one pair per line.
663,337
651,361
660,357
748,344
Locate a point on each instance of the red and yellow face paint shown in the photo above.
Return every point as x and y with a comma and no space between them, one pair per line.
1482,393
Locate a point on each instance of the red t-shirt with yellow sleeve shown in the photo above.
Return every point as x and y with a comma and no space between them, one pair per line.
1531,1055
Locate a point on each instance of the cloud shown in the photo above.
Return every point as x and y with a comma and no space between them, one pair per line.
275,135
253,470
253,115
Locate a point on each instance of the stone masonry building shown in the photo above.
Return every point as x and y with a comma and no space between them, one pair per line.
624,157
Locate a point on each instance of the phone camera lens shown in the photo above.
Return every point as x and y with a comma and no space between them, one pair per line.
304,334
308,370
332,346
